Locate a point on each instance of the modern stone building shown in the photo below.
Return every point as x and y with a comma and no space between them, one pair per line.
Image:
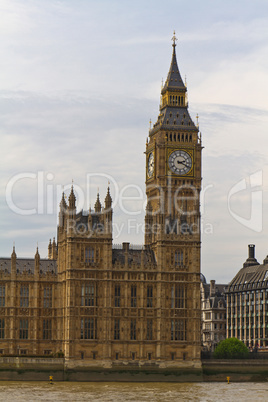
213,319
108,305
247,302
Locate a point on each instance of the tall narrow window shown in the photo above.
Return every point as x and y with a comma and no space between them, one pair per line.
2,295
178,296
88,328
117,295
47,333
149,296
47,296
89,255
133,296
24,296
117,329
133,330
2,328
88,294
178,330
178,258
23,329
149,335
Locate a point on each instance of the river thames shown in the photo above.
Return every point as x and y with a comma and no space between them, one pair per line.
122,392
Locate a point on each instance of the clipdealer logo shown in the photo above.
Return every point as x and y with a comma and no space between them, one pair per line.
253,184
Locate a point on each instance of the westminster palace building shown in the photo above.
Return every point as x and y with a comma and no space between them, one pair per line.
107,305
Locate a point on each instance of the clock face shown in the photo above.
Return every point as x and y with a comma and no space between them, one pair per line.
180,162
150,168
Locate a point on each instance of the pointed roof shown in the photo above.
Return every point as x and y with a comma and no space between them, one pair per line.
108,199
98,204
63,202
174,80
72,198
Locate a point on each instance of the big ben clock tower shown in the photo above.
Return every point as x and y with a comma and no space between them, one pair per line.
172,222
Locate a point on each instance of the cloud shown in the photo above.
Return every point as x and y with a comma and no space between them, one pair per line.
79,83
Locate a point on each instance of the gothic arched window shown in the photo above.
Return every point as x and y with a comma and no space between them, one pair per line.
178,258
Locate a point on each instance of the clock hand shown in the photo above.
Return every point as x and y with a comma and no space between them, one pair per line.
182,163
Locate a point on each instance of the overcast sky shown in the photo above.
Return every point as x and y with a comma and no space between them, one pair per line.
79,82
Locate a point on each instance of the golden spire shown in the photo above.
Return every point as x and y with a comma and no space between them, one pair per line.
174,39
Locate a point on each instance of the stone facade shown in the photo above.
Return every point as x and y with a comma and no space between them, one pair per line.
103,304
213,319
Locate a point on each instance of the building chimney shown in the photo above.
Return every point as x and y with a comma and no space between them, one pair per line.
212,288
125,246
251,257
251,251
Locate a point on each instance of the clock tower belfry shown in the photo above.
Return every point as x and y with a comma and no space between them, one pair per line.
172,221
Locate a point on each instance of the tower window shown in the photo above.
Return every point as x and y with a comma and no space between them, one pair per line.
178,258
178,296
170,137
149,335
88,328
117,296
24,329
117,329
133,330
186,137
24,296
133,298
149,296
47,332
182,137
89,255
2,328
178,330
88,294
2,295
178,137
190,137
47,296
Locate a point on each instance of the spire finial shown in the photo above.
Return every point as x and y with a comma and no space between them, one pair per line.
150,122
197,121
174,39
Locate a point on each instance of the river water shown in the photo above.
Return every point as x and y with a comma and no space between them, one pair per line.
123,392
